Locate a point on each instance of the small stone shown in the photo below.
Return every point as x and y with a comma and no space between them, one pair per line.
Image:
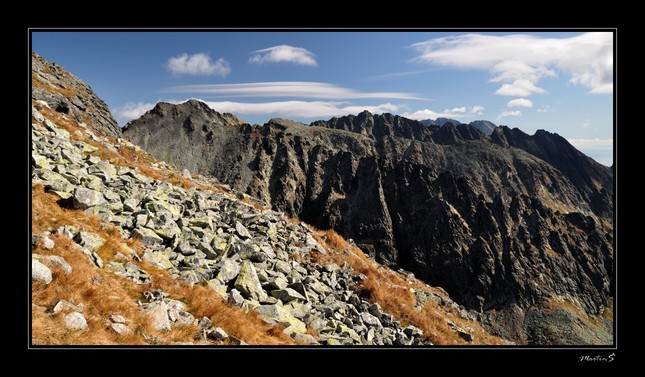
465,335
66,306
75,321
241,230
48,243
217,334
305,339
115,318
120,328
370,320
205,323
235,299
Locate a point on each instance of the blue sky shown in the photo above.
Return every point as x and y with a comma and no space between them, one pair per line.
561,82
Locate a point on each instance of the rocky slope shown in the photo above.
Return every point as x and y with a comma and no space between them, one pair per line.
505,227
125,250
70,95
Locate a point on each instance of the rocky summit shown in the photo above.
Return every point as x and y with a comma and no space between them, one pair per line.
127,250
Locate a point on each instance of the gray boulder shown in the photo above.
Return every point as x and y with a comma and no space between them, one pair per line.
85,198
40,272
248,284
75,321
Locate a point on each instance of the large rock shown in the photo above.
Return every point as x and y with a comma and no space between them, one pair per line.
248,284
90,241
54,261
287,294
228,271
75,321
86,198
276,314
40,272
158,314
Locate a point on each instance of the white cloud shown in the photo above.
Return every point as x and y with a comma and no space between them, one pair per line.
132,110
198,64
300,109
585,124
519,62
299,89
592,144
458,110
521,87
430,114
520,102
284,54
545,109
514,113
477,109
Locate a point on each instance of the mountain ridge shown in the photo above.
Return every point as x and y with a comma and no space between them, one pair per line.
448,178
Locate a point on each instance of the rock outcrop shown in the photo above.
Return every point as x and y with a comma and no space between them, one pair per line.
70,95
495,221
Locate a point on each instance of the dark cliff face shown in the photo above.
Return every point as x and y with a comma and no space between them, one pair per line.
499,222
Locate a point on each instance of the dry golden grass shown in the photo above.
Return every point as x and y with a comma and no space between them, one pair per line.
104,293
391,291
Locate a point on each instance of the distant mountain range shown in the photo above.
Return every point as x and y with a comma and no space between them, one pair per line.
484,126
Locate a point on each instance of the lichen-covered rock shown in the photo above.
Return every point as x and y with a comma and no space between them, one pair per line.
277,314
248,284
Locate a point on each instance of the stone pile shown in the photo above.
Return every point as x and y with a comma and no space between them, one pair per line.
248,256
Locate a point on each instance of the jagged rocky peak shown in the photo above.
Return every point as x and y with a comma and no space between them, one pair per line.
594,181
70,95
191,112
484,126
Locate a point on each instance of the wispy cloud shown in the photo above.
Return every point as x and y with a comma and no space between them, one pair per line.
199,64
478,110
454,113
504,114
592,144
520,87
300,109
545,109
396,75
303,89
585,124
519,62
131,110
284,54
520,102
